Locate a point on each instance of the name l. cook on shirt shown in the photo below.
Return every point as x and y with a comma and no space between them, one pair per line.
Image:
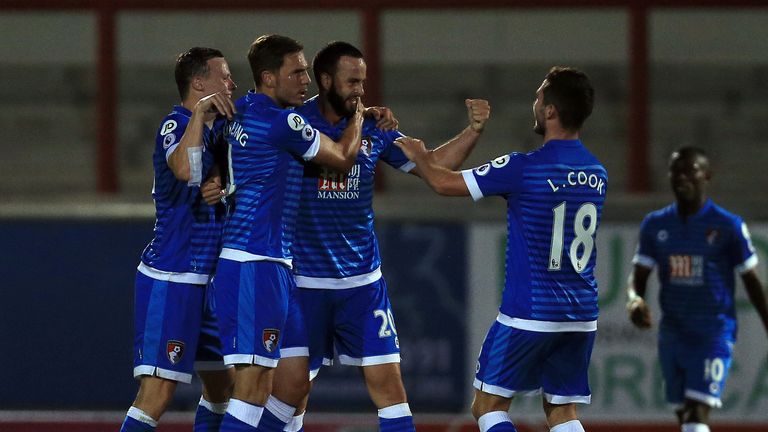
581,178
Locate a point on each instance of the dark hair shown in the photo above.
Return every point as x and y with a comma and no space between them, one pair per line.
570,91
327,59
267,53
191,64
691,152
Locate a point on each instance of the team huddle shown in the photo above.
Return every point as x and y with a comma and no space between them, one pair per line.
265,264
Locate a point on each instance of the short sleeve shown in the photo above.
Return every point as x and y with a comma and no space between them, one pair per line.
501,176
742,250
645,255
392,154
291,132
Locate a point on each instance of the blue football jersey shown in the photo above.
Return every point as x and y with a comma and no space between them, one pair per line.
266,145
554,199
187,231
696,259
336,244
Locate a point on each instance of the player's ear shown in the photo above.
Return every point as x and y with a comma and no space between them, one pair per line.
197,84
550,112
268,78
325,80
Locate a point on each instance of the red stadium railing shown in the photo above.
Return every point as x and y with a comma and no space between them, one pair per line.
638,164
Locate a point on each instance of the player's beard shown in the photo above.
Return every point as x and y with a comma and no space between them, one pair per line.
338,103
538,125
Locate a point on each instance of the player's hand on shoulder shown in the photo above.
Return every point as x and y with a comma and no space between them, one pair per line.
385,118
218,102
478,112
211,190
639,313
413,148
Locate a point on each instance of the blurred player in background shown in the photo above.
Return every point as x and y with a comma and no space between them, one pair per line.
543,336
254,283
696,245
175,325
337,265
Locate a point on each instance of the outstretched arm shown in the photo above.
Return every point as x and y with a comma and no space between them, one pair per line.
455,151
638,310
442,180
756,295
178,161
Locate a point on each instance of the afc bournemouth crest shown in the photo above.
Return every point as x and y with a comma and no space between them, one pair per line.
269,338
175,350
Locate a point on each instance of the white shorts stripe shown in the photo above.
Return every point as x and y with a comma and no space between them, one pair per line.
148,370
369,361
250,359
547,326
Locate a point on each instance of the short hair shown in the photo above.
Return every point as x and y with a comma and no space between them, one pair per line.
267,53
570,91
327,59
692,152
191,64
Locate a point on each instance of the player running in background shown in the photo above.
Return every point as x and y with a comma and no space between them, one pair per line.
696,245
254,282
543,336
342,293
175,326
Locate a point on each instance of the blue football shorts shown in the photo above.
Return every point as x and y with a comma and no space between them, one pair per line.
252,305
175,329
521,362
694,368
356,324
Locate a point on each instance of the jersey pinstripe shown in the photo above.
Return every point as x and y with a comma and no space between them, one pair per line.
266,146
187,232
554,199
336,237
696,259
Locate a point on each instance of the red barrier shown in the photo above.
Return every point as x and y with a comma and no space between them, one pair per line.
329,423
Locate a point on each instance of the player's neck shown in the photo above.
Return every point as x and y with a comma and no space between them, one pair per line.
560,134
686,209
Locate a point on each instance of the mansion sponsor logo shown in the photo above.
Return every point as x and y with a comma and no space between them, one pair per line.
335,185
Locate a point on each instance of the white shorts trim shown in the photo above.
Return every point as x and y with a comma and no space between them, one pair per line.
326,362
205,366
704,398
147,370
294,352
471,181
250,359
644,260
190,278
563,400
507,393
243,256
338,283
747,265
369,361
501,391
547,326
